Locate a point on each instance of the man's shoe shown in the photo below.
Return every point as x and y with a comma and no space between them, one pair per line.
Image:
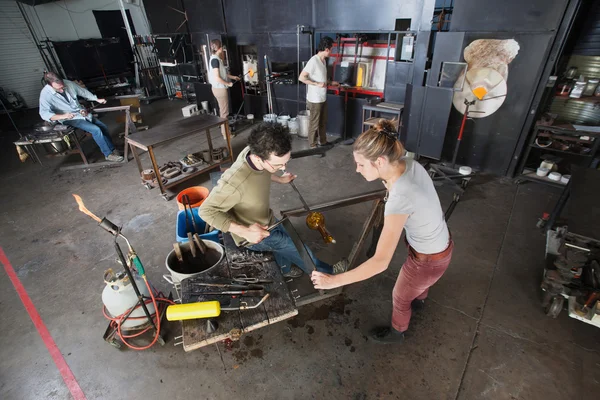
386,334
340,266
417,305
325,144
114,157
294,272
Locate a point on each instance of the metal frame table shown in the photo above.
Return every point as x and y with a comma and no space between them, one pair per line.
303,290
28,141
161,134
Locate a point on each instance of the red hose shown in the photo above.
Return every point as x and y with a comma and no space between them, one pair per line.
119,319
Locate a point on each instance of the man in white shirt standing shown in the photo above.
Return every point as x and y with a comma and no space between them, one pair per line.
314,75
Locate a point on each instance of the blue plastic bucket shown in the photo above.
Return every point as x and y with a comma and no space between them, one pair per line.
181,231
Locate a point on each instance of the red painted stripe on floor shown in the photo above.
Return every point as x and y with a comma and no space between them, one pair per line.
59,360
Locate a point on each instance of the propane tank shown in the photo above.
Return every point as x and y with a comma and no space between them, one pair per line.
118,296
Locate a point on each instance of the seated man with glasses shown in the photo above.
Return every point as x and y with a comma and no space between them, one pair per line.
240,202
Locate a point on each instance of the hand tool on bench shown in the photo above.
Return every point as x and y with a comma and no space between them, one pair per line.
245,279
208,309
232,285
252,292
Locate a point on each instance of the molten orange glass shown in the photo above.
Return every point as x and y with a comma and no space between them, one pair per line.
316,221
83,209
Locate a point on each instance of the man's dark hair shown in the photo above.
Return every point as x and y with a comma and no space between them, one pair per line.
52,77
325,43
270,138
215,45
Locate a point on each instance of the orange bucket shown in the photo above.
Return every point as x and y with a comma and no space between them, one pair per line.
197,195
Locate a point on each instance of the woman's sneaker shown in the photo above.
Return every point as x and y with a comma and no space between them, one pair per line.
386,334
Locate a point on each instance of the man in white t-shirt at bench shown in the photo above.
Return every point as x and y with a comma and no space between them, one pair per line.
314,75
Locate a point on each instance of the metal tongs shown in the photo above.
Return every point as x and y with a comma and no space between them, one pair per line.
245,279
270,228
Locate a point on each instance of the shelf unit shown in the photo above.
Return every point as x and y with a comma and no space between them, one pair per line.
585,99
531,176
373,113
564,133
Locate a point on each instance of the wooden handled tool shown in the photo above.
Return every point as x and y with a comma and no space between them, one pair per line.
199,243
178,252
192,245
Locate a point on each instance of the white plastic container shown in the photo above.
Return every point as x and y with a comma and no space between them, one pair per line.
293,126
542,171
283,120
555,176
303,122
465,170
270,118
190,110
565,178
547,164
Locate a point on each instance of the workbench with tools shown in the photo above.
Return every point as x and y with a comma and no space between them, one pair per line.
268,302
68,140
249,286
154,137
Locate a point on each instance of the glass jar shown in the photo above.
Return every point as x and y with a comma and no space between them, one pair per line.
577,89
590,87
571,73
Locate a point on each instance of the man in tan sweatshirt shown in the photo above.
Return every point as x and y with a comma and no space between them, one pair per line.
240,202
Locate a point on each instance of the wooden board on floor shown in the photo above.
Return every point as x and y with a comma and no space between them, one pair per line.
231,324
194,331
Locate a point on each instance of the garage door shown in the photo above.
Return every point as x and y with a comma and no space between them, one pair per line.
21,66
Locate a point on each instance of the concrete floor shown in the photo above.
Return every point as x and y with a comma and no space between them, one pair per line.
483,334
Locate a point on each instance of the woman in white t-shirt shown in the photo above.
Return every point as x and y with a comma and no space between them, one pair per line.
220,80
412,205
